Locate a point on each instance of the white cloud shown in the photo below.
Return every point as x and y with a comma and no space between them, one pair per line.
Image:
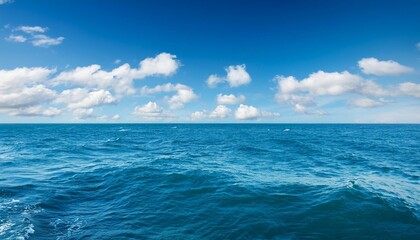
32,29
20,77
41,40
83,98
34,111
220,111
410,89
418,46
236,76
184,94
245,112
36,35
365,103
120,79
382,68
16,38
151,111
214,80
82,113
26,97
164,64
198,115
21,91
230,99
117,61
301,94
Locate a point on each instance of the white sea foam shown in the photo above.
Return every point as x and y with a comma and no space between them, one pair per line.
4,227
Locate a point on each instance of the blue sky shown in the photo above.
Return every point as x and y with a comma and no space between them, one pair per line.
209,61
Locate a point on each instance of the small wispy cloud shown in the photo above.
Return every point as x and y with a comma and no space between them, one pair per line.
5,1
35,35
31,29
45,41
16,38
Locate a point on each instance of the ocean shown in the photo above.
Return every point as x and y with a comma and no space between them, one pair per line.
209,181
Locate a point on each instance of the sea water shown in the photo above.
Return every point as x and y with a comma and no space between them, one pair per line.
209,181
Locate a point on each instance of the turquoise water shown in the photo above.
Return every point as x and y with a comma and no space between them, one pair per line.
192,181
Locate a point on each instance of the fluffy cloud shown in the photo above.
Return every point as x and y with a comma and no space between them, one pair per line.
221,111
230,99
26,97
151,111
245,112
235,75
184,94
365,103
410,89
82,98
16,38
121,78
301,94
382,68
20,77
21,91
198,115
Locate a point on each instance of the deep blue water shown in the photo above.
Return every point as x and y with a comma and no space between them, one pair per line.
191,181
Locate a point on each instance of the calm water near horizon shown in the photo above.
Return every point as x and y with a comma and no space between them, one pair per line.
209,181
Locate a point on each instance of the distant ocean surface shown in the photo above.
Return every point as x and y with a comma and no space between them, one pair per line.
209,181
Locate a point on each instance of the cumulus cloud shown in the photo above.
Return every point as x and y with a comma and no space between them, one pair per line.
230,99
235,75
220,111
245,112
365,103
16,38
121,78
184,94
22,91
410,89
382,68
151,111
198,115
301,94
30,91
83,98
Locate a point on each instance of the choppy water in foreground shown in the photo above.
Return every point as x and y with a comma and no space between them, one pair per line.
180,181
